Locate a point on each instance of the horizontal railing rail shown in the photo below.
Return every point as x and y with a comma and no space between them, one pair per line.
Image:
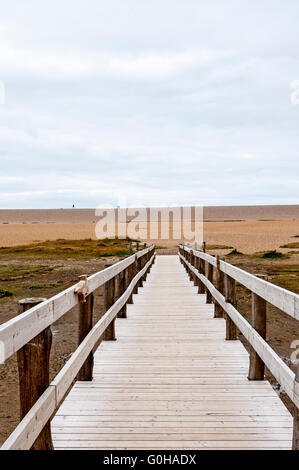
18,331
224,297
30,432
281,298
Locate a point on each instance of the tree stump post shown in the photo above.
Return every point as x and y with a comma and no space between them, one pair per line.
129,277
196,265
230,297
190,262
192,275
33,365
136,268
109,293
120,291
220,287
259,320
201,289
209,298
85,325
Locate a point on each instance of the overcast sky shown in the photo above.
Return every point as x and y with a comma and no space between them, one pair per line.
148,102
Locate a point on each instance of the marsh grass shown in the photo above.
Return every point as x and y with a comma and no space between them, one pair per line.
219,247
5,293
62,249
291,245
273,254
235,252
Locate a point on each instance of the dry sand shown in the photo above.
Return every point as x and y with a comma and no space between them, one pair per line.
247,228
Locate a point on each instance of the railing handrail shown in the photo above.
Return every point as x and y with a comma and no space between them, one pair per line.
283,374
281,298
18,331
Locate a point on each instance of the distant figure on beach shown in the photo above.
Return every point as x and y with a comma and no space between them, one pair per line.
73,206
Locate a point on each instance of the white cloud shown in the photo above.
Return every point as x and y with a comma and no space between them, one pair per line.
163,64
191,105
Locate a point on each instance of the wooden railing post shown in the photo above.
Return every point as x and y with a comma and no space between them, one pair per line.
220,287
191,261
109,292
295,445
201,289
120,290
85,325
209,298
146,260
33,365
259,320
143,260
136,268
230,297
129,277
196,265
204,247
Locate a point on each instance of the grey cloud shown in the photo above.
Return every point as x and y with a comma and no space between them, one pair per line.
159,101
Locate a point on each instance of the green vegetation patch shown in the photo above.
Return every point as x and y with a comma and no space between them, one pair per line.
61,248
235,252
272,254
282,269
12,272
291,245
219,247
5,293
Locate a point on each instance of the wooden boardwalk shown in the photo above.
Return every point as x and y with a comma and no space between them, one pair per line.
171,381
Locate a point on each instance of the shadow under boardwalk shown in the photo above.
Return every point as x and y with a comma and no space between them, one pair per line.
171,381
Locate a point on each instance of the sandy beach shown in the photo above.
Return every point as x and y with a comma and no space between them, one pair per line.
247,228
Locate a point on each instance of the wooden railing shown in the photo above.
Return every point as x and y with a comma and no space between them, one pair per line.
206,270
29,334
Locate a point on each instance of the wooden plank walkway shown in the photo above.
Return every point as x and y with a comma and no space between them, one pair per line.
171,381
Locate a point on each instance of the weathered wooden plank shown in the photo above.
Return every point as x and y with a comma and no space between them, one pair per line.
171,381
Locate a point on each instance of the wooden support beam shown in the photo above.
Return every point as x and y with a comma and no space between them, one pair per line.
33,365
230,297
136,269
259,320
129,276
142,262
202,288
209,298
109,293
120,289
191,257
196,265
219,312
85,325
